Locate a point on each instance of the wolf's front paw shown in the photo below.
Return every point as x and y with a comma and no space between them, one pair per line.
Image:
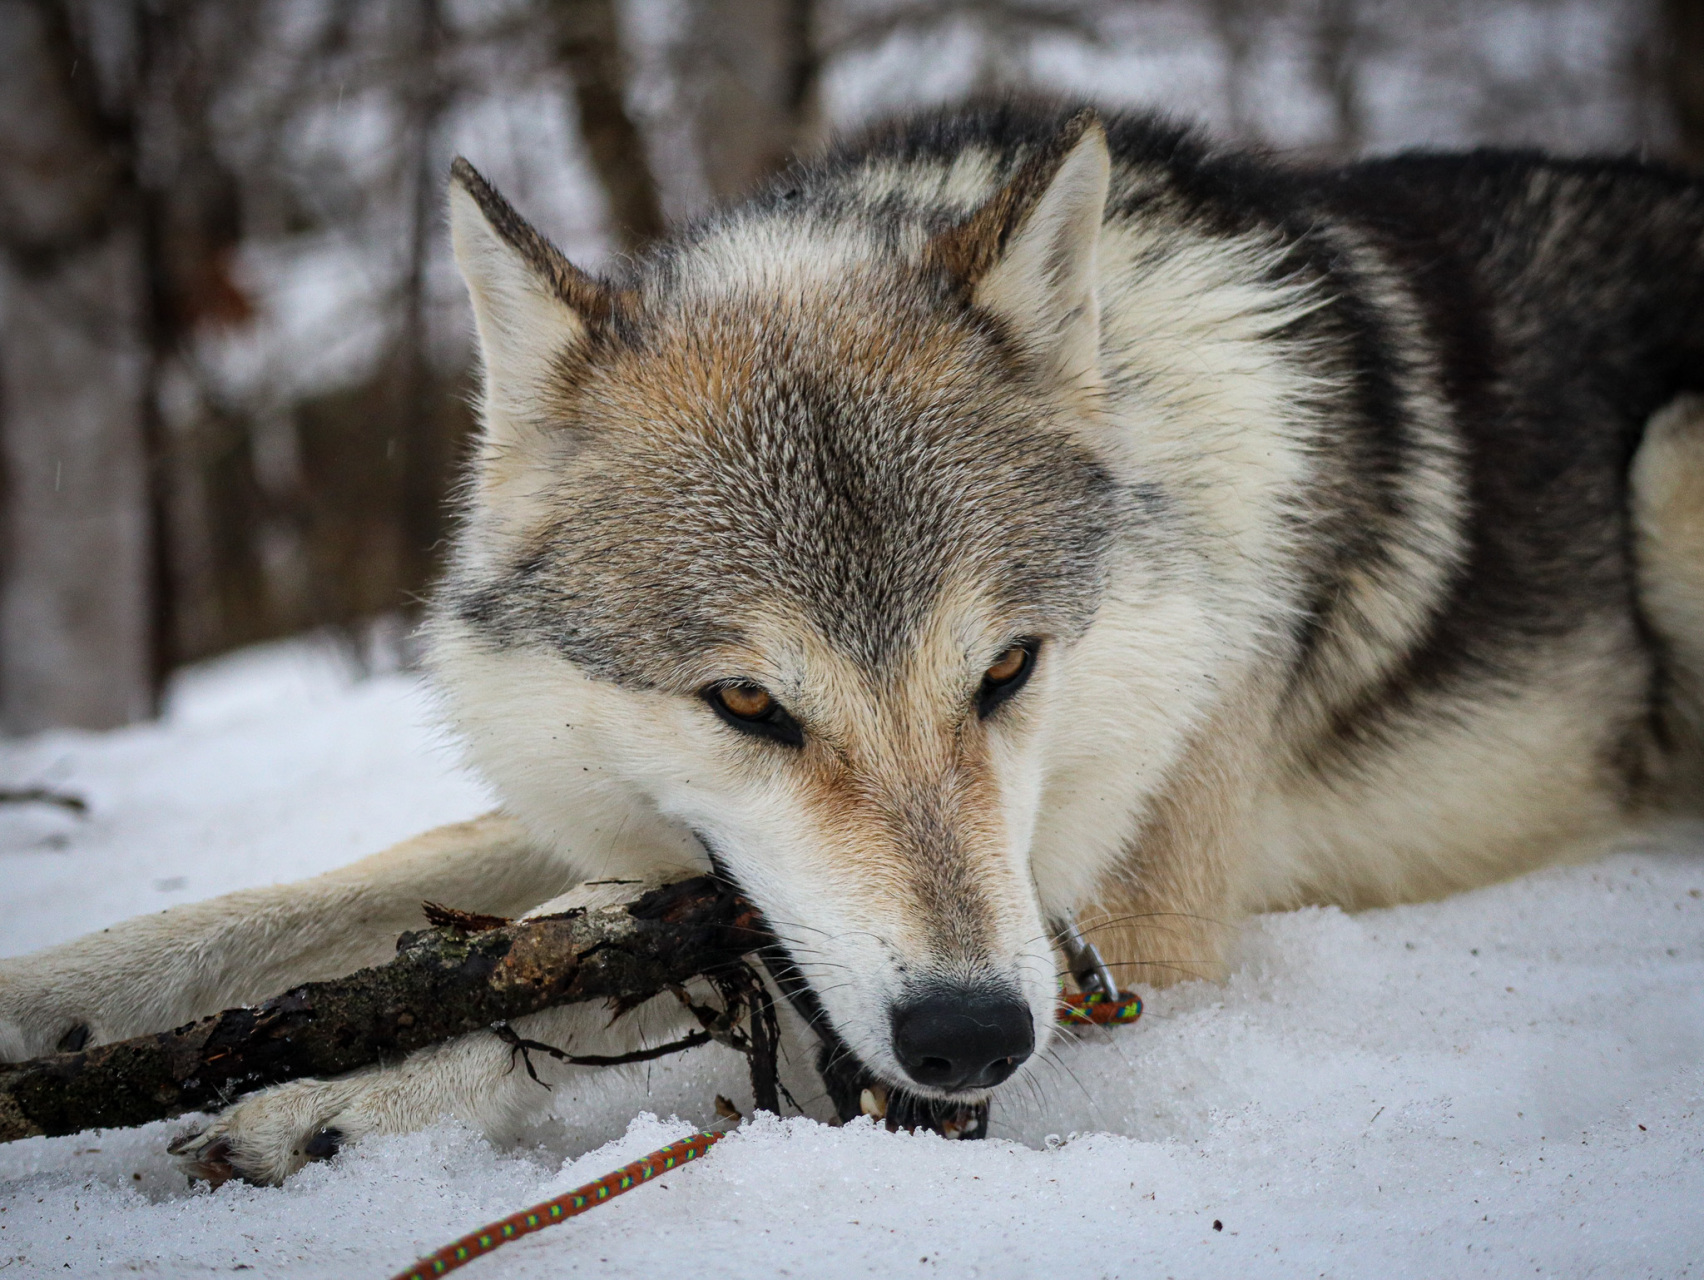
271,1135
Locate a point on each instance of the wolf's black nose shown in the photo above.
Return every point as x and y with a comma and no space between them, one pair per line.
962,1041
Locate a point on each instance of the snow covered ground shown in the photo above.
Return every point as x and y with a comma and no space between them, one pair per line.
1509,1083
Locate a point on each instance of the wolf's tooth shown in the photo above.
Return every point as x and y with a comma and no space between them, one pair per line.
873,1103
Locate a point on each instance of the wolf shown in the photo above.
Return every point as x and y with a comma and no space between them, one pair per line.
1020,516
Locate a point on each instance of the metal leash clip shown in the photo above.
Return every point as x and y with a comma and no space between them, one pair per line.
1088,970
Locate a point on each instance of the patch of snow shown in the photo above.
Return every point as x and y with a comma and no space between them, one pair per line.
270,765
1505,1083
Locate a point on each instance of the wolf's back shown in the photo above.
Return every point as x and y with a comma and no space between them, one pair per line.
1565,299
1589,274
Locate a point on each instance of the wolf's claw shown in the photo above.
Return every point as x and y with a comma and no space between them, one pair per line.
204,1161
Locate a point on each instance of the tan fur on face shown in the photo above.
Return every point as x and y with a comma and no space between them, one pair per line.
674,391
828,454
899,782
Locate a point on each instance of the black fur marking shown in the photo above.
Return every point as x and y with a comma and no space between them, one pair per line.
1566,299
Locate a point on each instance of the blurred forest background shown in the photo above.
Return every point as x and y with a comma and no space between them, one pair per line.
234,355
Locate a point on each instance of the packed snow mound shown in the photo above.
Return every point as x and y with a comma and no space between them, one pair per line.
1507,1083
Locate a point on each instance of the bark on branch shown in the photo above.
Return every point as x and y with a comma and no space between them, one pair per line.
443,983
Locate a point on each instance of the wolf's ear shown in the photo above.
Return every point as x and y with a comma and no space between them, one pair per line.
1028,254
535,310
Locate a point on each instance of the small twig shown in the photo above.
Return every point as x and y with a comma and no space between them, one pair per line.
42,795
518,1046
441,917
741,983
745,997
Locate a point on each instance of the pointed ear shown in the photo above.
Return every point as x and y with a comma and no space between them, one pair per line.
536,312
1028,254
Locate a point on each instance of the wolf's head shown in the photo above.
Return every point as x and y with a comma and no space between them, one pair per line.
784,549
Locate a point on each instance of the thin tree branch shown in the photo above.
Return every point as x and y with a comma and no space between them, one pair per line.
443,983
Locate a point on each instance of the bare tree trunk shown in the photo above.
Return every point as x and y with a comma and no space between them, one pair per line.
1233,22
118,221
1682,55
78,633
1336,66
416,429
589,44
76,610
211,589
803,54
753,73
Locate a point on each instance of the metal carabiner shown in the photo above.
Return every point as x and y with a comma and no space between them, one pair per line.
1088,970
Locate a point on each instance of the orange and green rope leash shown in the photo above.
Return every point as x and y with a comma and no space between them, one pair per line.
562,1208
1074,1010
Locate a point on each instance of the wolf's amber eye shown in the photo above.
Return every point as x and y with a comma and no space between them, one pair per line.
1011,662
1006,676
750,709
746,701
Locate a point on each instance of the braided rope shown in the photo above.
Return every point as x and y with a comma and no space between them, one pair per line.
1075,1009
560,1209
1095,1009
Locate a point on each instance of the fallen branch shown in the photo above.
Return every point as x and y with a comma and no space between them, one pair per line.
444,982
45,795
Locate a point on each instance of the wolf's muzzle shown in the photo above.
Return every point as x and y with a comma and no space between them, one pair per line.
962,1039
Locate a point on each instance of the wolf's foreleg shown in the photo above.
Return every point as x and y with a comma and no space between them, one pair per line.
485,1079
1172,910
165,969
482,1079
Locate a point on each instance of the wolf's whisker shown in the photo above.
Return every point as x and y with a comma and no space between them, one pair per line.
1109,922
1051,1057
